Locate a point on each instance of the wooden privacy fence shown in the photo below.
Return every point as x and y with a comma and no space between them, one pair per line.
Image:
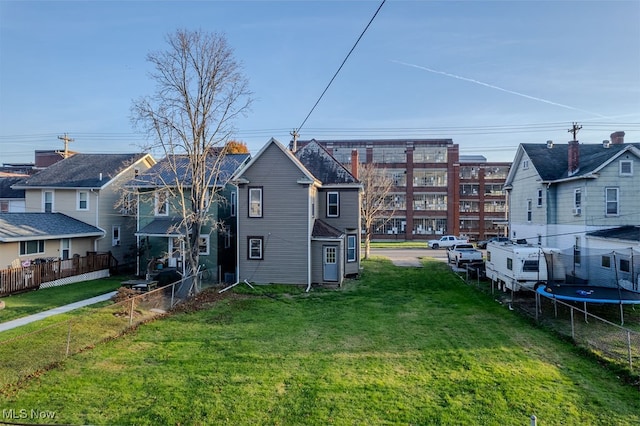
16,280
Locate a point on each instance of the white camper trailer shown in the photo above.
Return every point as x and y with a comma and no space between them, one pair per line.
514,266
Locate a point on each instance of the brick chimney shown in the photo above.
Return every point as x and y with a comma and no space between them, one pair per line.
617,138
574,157
354,163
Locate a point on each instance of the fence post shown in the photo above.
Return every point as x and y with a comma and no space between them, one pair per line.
629,350
131,311
573,331
534,420
68,339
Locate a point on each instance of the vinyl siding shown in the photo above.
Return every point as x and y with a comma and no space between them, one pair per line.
284,225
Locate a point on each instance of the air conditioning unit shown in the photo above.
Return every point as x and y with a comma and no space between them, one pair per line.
577,211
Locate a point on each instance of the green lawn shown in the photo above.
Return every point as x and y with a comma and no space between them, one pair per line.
32,302
398,346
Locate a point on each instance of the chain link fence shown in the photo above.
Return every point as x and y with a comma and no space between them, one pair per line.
29,353
610,331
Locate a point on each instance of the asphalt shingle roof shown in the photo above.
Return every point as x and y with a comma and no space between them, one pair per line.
323,229
553,163
82,171
25,226
322,165
5,188
161,226
162,174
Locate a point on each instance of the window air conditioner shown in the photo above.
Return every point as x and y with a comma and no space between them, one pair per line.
577,211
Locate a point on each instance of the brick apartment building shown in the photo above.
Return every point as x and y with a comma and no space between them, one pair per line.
436,190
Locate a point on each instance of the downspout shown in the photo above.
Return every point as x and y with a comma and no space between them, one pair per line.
309,230
95,242
137,231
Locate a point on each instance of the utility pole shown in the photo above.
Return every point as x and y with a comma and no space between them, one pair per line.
66,140
574,129
294,143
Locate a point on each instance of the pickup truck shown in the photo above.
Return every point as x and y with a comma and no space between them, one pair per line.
463,253
446,241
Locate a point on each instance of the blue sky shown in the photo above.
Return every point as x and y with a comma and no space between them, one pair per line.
487,74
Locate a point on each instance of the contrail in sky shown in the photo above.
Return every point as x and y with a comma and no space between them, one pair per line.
491,86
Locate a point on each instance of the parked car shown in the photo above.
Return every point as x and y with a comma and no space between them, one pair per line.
446,241
464,253
483,244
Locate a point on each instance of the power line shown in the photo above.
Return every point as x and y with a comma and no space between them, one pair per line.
341,65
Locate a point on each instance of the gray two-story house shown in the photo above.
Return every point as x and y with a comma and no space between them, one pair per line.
298,217
557,193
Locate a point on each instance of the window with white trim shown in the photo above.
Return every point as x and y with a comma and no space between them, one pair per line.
626,168
31,247
352,251
233,203
161,207
333,204
254,248
525,164
529,210
255,202
611,201
577,198
539,198
115,235
203,244
47,201
82,200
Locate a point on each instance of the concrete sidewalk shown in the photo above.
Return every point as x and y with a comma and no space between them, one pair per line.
59,310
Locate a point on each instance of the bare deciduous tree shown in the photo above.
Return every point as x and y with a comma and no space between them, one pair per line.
199,92
374,206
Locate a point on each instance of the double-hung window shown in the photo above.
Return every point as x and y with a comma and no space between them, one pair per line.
233,203
333,204
203,244
47,201
352,252
612,201
255,202
83,200
162,203
529,210
254,248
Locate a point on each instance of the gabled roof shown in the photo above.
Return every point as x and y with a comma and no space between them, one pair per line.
163,173
322,165
5,188
308,176
313,161
552,164
627,233
43,226
82,171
